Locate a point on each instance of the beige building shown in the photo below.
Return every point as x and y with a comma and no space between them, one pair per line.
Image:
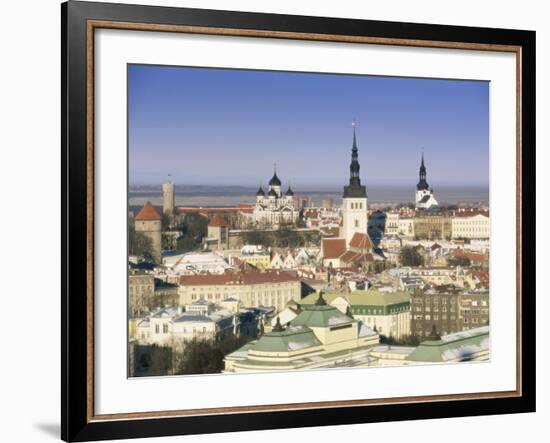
465,225
218,233
148,222
320,336
398,225
255,255
388,313
434,226
141,292
270,288
406,227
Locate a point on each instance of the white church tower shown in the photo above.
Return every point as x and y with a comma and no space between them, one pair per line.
424,194
354,203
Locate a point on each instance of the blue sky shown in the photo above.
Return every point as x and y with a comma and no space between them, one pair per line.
228,127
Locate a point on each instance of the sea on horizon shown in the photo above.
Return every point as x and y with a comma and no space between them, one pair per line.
222,196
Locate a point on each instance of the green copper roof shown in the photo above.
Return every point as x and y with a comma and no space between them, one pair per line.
453,347
362,298
321,316
293,338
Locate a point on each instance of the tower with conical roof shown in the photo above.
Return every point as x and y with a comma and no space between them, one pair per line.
354,203
148,223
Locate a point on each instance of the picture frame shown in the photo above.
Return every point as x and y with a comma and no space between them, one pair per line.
80,20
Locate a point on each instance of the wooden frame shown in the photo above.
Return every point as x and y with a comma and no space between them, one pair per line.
79,21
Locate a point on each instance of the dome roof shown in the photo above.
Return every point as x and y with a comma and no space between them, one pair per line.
260,192
289,191
272,193
274,180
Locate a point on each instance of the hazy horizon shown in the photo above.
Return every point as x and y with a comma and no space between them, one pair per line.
208,195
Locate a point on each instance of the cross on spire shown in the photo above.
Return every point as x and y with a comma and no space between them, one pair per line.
355,189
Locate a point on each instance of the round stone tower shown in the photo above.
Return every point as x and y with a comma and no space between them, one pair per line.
148,222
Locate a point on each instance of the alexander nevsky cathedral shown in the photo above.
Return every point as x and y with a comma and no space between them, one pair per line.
273,208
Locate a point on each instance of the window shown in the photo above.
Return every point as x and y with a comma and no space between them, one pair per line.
165,329
156,329
356,223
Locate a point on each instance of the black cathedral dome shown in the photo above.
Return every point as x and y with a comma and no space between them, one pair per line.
274,180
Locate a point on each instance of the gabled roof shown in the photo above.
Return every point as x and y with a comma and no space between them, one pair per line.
148,212
360,241
333,247
356,257
241,278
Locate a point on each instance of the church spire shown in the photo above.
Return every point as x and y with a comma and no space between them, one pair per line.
422,183
354,166
354,189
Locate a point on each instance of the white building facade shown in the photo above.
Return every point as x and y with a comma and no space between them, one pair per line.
274,209
472,227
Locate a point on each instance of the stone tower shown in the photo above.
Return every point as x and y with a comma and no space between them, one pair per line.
148,222
354,203
168,198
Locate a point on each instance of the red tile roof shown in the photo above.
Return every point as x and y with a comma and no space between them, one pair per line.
333,231
217,222
333,247
360,241
356,257
474,257
148,212
242,278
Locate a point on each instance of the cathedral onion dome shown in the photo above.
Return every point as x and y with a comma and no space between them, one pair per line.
272,193
260,192
275,180
289,192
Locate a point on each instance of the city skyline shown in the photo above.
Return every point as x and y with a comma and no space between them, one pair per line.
230,117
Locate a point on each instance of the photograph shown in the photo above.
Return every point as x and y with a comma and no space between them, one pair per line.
292,221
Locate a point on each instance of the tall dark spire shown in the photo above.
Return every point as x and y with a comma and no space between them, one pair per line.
354,190
422,183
